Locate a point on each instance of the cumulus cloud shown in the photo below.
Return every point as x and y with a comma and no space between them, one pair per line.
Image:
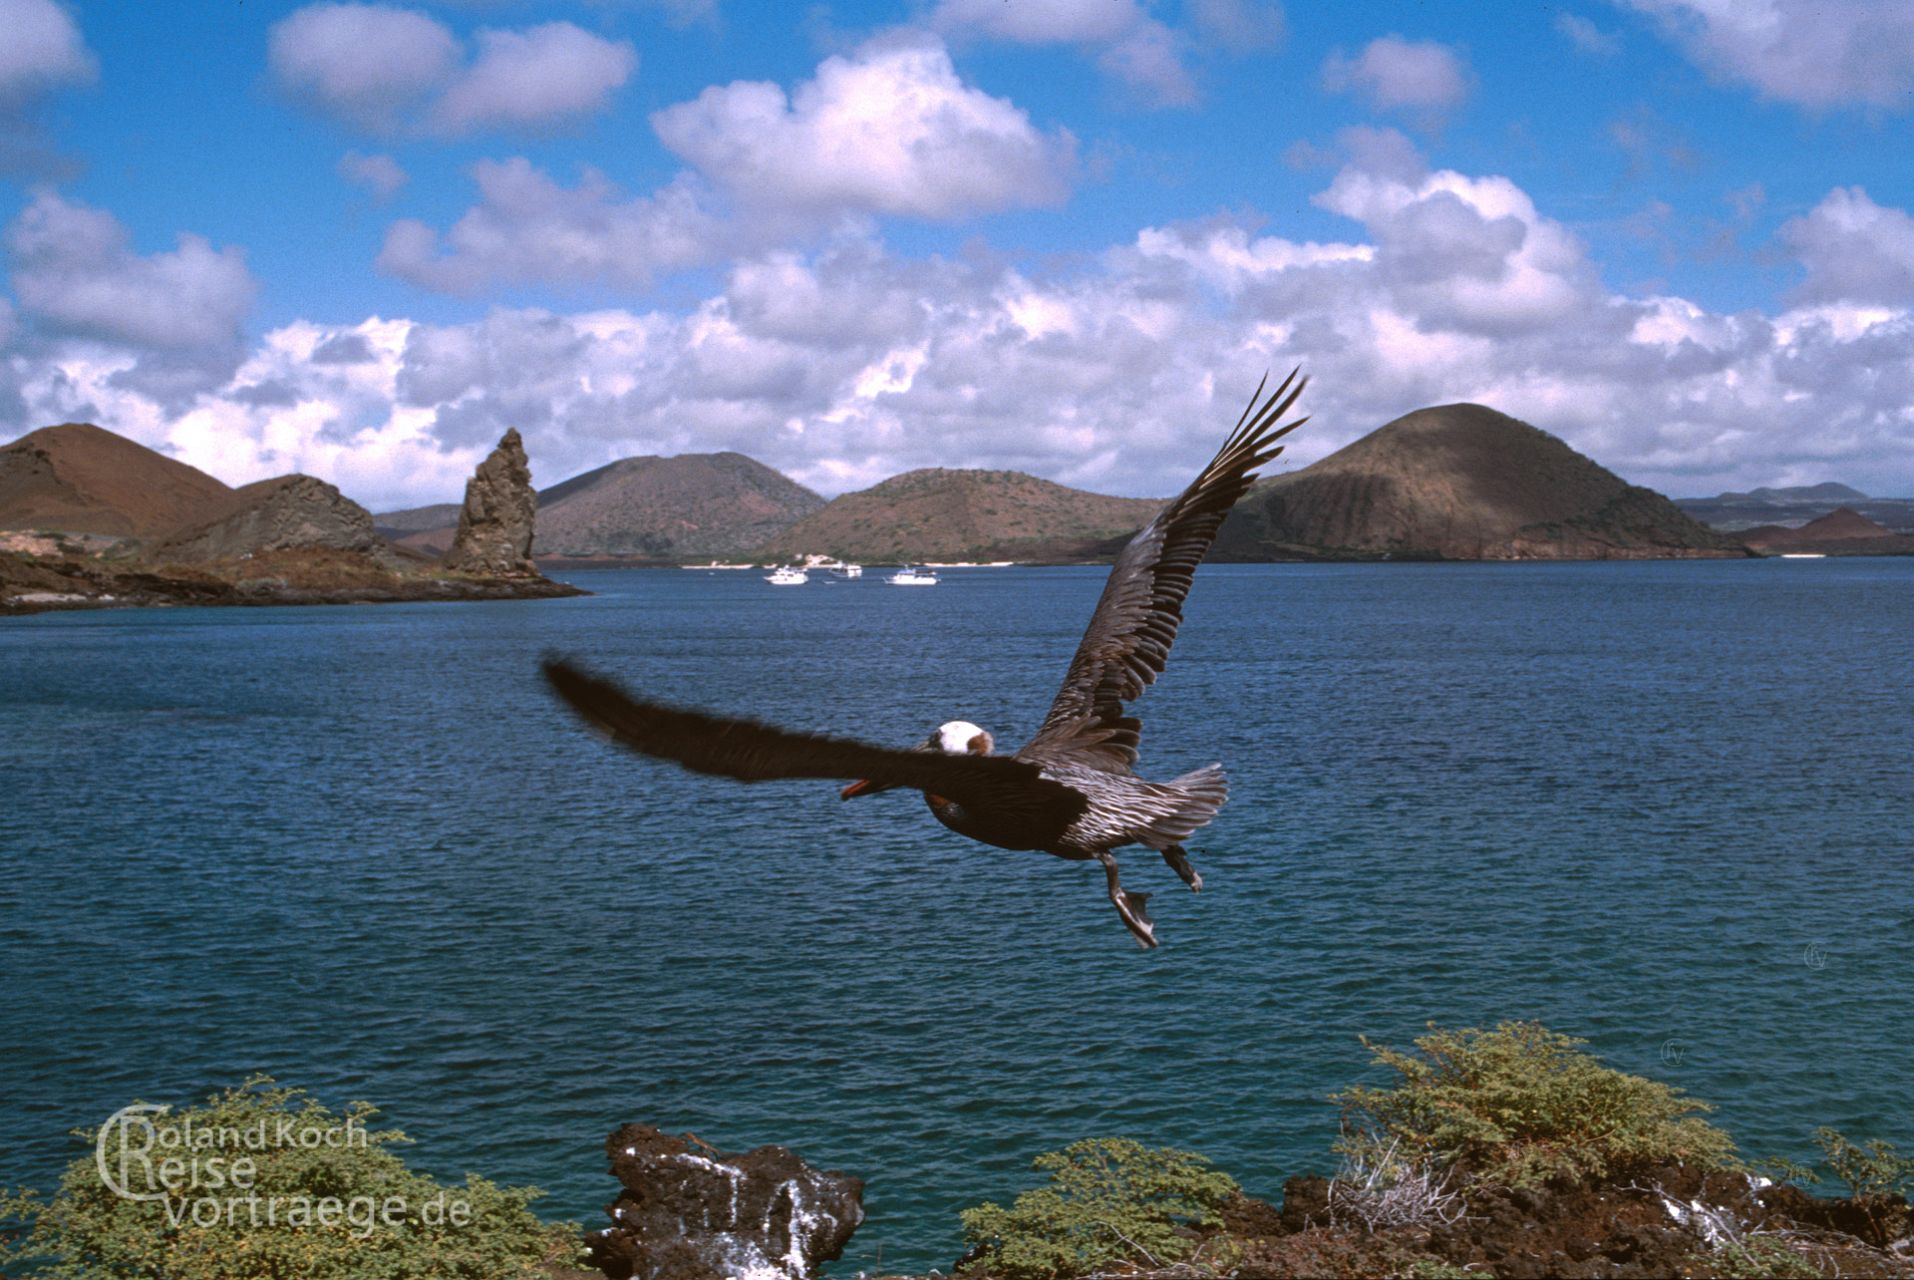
43,50
169,322
390,70
1128,43
1854,250
75,272
849,363
528,229
528,79
380,174
1812,53
888,129
1394,74
366,64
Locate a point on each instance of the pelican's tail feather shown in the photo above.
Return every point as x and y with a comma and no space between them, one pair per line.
1196,798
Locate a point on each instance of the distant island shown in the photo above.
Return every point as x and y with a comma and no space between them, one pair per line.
1796,506
88,517
1461,482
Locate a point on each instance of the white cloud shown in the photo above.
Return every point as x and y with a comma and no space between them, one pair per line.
378,173
1813,53
888,129
1128,43
43,49
1394,74
849,363
391,70
529,229
367,64
1241,25
75,272
1586,36
531,78
1854,250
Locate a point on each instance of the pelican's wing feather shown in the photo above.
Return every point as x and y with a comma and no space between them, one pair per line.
1129,637
753,752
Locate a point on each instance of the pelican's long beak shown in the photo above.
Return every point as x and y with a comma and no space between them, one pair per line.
864,787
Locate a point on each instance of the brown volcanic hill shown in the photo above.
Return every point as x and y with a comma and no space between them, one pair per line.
939,514
271,515
396,524
1460,482
1841,532
80,478
1840,525
689,507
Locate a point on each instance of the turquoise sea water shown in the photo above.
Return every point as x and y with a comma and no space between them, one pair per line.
1662,806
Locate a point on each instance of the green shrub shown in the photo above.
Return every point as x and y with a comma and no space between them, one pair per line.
344,1207
1873,1170
1520,1104
1109,1200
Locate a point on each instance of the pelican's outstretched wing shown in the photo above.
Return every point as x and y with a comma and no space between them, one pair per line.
752,752
1130,634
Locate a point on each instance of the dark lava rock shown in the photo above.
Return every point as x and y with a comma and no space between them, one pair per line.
495,526
1305,1202
689,1212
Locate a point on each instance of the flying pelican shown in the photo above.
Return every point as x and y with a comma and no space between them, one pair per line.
1069,791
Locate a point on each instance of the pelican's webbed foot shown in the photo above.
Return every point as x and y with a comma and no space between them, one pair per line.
1180,863
1129,905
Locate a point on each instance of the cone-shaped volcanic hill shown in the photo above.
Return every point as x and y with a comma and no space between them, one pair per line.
80,478
1460,482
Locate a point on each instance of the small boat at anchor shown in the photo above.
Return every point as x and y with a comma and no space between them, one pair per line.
785,576
909,576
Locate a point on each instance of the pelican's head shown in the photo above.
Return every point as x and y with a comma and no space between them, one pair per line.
960,738
954,737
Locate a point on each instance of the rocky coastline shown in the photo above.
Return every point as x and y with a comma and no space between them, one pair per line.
294,540
685,1211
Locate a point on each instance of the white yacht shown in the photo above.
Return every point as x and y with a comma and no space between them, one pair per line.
785,576
912,577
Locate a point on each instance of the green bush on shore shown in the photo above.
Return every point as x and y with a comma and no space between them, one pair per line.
1521,1104
1108,1201
343,1208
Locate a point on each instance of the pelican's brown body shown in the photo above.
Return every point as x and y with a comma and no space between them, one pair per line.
1070,790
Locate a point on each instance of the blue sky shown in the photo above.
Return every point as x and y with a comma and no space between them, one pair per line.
361,240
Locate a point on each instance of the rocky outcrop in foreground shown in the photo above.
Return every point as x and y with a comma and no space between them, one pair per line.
689,1212
495,525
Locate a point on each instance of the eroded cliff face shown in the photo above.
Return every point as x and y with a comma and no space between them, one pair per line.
690,1212
281,514
495,525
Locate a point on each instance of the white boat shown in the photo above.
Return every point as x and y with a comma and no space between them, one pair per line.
786,576
909,577
1804,555
851,570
